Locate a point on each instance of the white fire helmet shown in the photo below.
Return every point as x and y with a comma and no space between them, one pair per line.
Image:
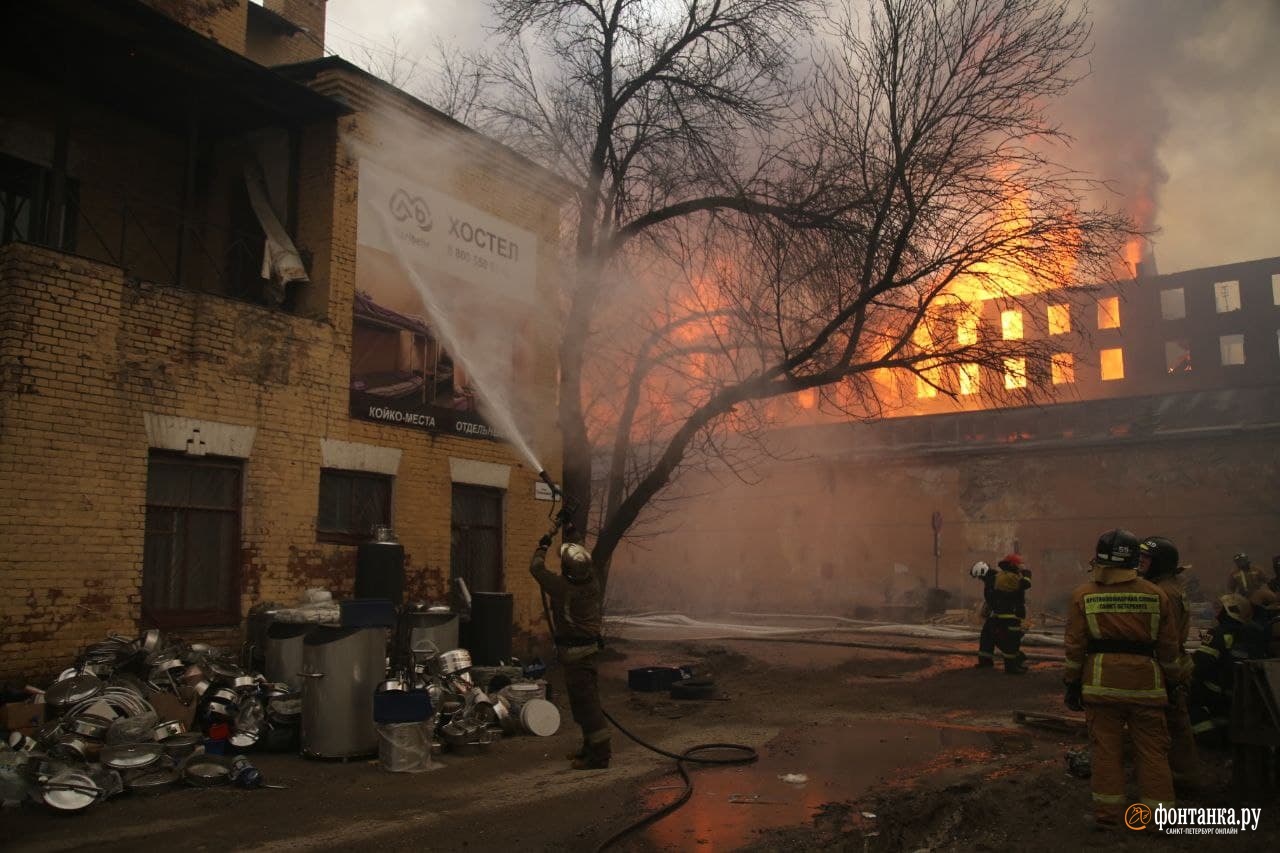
979,569
575,562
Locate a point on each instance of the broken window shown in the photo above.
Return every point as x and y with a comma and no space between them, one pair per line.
1173,304
1177,356
25,200
191,549
1059,319
1226,296
1062,368
1011,325
1112,363
1232,349
352,503
1109,312
968,378
1015,373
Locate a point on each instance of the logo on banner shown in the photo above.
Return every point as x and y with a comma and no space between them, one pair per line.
405,207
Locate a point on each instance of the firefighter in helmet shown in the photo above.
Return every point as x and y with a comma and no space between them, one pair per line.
1121,647
1158,563
1005,592
1246,579
1236,636
576,619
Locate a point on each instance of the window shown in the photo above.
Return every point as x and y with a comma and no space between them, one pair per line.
192,542
1109,312
1015,373
1059,319
352,503
968,376
1062,368
1011,325
967,330
1173,304
1177,357
1232,349
1226,296
26,197
926,386
1112,363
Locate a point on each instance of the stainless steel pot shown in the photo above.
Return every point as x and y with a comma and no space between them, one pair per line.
165,728
454,661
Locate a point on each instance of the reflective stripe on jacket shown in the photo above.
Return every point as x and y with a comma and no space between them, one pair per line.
1118,605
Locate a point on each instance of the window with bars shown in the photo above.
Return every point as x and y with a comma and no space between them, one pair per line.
352,503
191,552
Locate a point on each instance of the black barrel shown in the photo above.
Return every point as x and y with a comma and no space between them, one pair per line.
380,571
488,635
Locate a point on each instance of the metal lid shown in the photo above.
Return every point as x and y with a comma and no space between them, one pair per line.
74,689
206,770
152,780
70,791
131,756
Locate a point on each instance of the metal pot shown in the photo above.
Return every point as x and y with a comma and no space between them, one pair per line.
151,640
71,791
455,661
90,726
165,728
244,682
223,694
70,748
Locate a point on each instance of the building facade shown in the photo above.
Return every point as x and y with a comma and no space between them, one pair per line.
1166,421
184,298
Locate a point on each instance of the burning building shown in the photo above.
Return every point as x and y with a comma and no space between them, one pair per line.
218,367
1164,418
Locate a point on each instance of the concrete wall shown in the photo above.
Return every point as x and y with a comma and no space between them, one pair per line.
833,536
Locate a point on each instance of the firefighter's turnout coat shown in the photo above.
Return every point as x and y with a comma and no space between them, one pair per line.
1122,639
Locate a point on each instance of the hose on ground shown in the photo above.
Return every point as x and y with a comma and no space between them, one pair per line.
690,756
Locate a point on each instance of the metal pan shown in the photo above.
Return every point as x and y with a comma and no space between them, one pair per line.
152,781
206,771
178,747
165,728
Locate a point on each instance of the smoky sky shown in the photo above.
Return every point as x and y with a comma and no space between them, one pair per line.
1177,110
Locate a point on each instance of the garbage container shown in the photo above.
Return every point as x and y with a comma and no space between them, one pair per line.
488,635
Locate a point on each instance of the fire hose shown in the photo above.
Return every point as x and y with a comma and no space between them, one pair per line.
692,755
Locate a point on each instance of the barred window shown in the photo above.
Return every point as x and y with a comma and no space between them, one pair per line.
352,503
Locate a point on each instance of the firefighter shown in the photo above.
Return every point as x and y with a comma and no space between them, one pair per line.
1235,637
576,618
986,639
1121,645
1246,579
1158,563
1005,592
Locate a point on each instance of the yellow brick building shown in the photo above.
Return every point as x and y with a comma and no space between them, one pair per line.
177,437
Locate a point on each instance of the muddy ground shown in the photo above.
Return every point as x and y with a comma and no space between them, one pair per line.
898,752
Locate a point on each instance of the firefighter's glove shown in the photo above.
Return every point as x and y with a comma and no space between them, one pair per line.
1073,698
545,542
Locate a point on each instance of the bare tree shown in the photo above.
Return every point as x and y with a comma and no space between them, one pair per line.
827,233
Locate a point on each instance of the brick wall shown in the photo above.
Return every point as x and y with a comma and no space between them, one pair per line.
87,351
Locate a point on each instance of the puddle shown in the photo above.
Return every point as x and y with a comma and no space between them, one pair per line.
841,762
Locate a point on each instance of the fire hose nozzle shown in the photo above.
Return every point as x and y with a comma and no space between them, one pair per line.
546,478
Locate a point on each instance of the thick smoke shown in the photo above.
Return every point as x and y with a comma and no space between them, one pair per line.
1176,115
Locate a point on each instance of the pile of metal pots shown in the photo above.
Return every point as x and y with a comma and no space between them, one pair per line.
143,715
468,716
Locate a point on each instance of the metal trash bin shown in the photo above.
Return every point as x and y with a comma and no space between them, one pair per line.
283,658
341,668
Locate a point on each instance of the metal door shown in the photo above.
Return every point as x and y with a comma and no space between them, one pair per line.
476,552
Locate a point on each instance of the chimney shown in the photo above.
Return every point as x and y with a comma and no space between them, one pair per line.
308,16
